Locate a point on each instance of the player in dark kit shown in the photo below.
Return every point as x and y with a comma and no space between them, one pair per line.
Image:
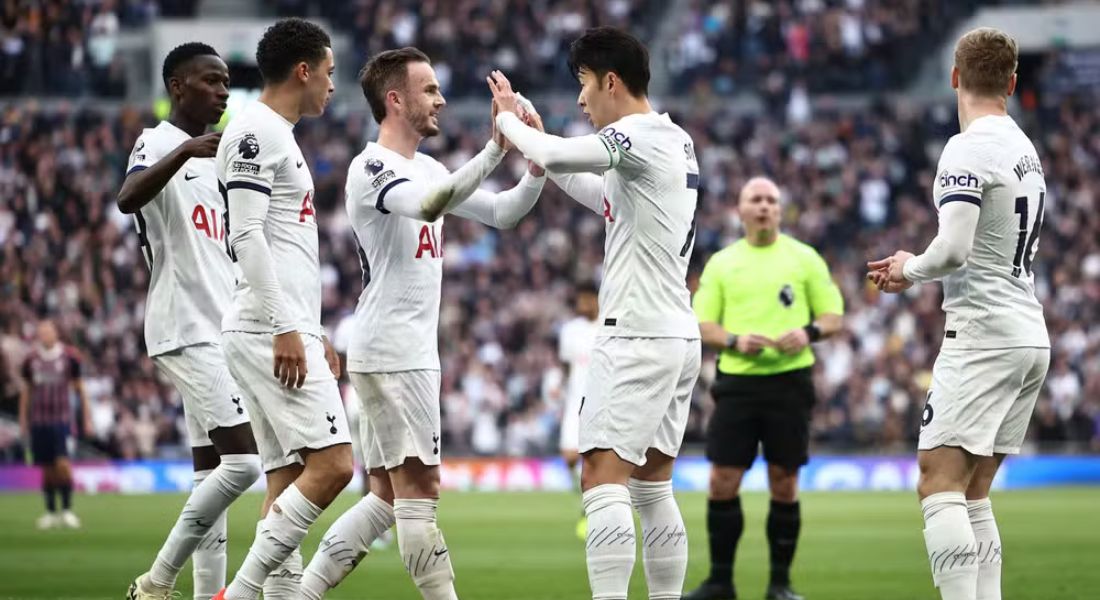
52,374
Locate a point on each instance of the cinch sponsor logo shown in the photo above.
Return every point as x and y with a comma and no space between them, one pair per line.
963,180
619,138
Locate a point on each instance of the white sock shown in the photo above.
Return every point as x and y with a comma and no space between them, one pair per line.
423,550
989,548
279,533
609,546
664,539
207,503
285,582
209,560
345,544
951,546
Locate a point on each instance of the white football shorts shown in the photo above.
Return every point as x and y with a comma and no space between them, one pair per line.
982,400
399,417
211,399
638,395
286,420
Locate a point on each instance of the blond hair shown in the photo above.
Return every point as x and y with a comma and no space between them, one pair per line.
986,59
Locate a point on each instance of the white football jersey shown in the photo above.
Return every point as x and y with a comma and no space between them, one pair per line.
258,152
990,302
575,349
182,238
650,194
397,318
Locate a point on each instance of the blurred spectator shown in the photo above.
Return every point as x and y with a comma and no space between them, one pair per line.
834,45
466,39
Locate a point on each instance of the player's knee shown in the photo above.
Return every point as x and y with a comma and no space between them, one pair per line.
241,470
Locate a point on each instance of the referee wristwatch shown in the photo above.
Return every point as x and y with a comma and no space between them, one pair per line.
731,341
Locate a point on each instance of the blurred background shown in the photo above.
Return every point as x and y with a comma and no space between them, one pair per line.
845,103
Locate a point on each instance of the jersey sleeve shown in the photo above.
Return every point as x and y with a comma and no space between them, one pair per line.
253,157
822,291
960,176
147,151
373,185
707,302
625,143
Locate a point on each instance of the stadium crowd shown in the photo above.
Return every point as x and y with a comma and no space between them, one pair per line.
856,184
69,47
835,45
468,38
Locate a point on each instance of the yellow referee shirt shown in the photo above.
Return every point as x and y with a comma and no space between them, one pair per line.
767,290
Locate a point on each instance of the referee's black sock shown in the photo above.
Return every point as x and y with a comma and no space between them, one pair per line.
725,522
784,522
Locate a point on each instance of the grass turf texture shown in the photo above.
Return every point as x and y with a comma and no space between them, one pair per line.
854,546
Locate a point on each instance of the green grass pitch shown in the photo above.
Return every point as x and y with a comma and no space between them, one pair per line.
521,546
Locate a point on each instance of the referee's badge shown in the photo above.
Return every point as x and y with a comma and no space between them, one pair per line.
786,296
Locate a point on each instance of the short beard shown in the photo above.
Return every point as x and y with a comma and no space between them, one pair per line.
423,126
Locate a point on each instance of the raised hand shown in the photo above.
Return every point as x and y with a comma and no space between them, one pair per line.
503,95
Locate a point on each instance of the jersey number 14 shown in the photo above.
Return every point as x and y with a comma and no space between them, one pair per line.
1027,238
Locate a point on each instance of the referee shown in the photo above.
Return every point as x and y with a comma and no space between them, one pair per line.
761,302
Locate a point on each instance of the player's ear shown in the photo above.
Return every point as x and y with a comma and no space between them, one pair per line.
1011,85
301,71
955,78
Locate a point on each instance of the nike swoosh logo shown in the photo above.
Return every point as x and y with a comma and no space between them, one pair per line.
440,552
189,177
299,164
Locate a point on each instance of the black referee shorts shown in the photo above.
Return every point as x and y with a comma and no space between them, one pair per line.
769,410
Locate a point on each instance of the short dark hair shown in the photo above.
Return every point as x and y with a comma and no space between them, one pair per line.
287,43
180,55
606,49
385,71
586,287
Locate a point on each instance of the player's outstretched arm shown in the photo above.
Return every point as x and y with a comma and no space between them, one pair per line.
585,188
427,201
503,210
583,154
144,180
951,246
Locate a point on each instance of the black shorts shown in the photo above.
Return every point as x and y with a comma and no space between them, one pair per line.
754,410
49,443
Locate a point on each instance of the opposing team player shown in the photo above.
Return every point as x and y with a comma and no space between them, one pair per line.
575,351
51,374
172,192
646,357
295,404
990,193
396,199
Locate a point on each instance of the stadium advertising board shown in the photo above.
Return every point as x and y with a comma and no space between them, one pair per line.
826,473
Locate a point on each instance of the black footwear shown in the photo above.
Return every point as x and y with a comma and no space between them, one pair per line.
712,590
782,592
